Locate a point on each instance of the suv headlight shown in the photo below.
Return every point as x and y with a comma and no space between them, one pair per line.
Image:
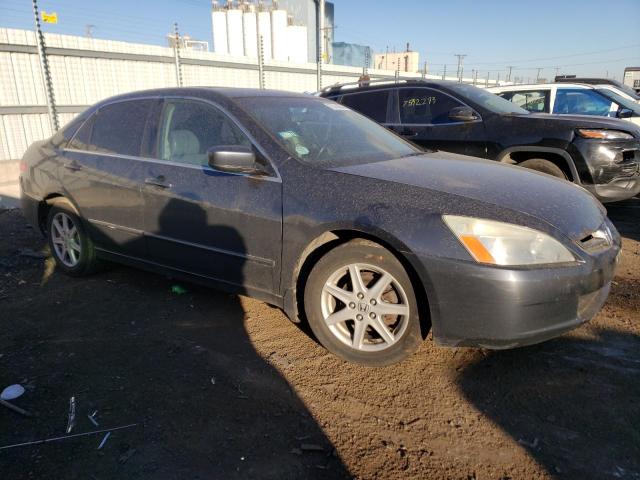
603,134
501,243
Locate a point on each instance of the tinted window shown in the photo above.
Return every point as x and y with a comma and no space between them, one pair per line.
532,100
582,102
371,104
190,128
323,133
82,139
119,127
424,105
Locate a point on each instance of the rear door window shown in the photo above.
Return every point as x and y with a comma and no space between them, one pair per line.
425,106
536,101
119,128
190,128
372,104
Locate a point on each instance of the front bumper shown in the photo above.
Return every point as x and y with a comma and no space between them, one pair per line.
612,168
492,307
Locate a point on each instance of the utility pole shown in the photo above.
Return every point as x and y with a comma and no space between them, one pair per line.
424,70
486,82
557,71
88,30
473,75
538,75
444,72
176,54
498,79
46,73
510,67
460,58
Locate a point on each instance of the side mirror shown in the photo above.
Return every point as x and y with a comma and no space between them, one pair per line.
233,158
625,113
463,114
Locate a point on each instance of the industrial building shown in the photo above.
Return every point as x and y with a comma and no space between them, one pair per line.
407,61
288,29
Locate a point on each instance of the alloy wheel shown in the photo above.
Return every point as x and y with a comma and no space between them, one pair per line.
65,238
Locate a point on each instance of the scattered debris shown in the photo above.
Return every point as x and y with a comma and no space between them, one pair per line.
178,289
19,410
311,447
12,392
71,422
127,455
28,252
104,440
533,444
64,437
92,419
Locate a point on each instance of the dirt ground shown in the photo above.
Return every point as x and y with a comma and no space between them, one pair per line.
221,386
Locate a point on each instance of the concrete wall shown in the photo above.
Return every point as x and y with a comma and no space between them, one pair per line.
86,70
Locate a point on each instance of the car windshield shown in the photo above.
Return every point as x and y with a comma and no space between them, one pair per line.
620,100
488,100
324,133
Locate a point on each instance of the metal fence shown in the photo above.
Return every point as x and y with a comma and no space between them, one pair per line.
86,70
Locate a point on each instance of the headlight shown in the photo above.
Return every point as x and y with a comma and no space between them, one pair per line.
603,134
501,243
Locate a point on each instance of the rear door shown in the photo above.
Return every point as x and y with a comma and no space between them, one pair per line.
103,171
422,116
375,104
220,225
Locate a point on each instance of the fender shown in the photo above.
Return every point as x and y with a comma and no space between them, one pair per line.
503,157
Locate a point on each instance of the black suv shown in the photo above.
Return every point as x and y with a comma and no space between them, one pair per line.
600,154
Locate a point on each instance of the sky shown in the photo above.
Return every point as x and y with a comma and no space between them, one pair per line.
568,36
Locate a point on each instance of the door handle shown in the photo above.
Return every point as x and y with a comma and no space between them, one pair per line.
158,181
73,166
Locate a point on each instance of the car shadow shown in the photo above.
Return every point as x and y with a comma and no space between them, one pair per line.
626,217
170,356
566,402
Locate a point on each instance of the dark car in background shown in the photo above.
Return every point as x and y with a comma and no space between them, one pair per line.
307,205
600,154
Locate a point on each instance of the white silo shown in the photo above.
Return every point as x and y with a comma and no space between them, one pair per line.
219,24
279,34
264,20
235,37
250,36
297,43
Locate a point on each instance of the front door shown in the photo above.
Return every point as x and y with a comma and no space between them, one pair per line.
423,118
103,171
220,225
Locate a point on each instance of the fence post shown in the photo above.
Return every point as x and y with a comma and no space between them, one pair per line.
176,54
261,62
46,73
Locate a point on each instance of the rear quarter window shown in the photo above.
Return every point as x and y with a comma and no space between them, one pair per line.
372,104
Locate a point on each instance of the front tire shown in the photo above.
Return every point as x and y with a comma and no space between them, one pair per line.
544,166
69,243
360,304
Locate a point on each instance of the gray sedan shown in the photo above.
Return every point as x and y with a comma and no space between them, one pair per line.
309,206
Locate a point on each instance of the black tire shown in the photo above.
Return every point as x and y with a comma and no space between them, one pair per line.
407,327
544,166
87,262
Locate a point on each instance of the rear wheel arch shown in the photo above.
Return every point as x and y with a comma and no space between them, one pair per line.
558,157
47,202
329,240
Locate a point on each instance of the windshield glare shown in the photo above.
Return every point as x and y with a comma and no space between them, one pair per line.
488,100
324,133
620,100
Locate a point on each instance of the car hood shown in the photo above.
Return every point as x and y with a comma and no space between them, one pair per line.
567,207
585,121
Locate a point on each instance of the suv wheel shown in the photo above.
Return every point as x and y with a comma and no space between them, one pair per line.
544,166
360,304
70,246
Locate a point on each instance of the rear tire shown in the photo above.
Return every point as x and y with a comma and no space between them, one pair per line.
360,304
544,166
69,243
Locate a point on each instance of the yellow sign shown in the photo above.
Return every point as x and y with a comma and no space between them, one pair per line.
49,17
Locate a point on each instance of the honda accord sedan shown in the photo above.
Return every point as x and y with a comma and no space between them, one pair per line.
310,206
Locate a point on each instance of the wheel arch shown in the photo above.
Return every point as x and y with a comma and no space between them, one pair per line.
49,201
330,239
561,158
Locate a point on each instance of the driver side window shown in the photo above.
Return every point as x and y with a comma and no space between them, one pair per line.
190,128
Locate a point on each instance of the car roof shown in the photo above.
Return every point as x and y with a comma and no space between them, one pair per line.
384,84
531,86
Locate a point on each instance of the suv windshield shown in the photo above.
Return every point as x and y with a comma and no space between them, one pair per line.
488,100
324,133
620,100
